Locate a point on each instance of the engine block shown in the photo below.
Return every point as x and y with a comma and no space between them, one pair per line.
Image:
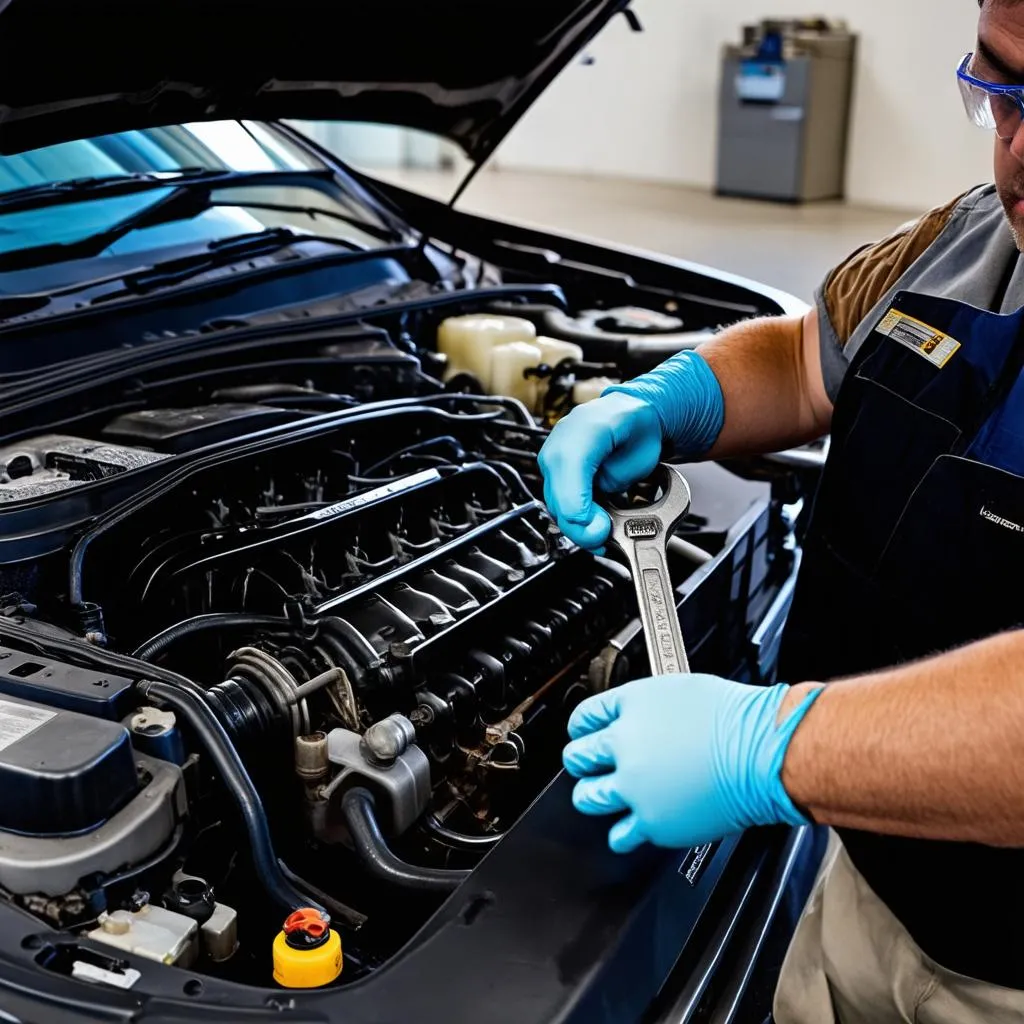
387,565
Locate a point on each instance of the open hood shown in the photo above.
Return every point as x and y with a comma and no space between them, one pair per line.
463,69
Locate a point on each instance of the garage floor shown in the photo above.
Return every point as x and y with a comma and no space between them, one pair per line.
789,247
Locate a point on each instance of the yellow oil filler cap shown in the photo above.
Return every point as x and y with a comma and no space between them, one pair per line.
307,952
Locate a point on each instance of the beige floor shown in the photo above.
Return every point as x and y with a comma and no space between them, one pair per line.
788,247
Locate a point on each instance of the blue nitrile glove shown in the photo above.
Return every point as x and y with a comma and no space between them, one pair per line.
693,758
617,440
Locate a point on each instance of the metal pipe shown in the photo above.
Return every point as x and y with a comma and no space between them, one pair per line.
460,839
331,676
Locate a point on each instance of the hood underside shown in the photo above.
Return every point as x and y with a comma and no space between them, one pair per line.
463,69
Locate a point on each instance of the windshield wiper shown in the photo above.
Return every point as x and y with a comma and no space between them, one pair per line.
219,254
167,273
169,207
187,198
69,186
72,189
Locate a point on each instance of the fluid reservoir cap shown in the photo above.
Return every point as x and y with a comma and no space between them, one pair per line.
385,741
193,898
152,722
306,929
307,951
117,923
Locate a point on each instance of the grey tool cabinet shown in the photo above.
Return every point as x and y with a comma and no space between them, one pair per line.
784,112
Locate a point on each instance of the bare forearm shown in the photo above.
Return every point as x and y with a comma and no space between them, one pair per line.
770,374
933,750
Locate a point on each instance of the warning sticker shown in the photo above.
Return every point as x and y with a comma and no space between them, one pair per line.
936,347
18,720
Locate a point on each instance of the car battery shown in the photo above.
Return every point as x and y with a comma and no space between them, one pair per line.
61,772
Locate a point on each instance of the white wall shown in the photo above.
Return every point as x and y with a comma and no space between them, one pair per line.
647,107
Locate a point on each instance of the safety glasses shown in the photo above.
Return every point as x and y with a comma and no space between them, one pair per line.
996,107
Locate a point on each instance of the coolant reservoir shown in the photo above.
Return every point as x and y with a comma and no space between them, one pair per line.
152,932
554,351
587,390
467,342
508,362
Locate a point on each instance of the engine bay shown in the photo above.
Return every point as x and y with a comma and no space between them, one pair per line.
287,629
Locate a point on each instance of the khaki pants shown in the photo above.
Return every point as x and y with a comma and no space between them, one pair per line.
852,962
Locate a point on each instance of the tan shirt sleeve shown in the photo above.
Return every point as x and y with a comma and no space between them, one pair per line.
858,284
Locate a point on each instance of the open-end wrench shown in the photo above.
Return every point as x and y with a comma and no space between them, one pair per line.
642,535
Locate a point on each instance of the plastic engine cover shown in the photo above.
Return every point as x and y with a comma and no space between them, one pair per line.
61,772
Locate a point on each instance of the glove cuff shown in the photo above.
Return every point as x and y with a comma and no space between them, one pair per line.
688,400
785,810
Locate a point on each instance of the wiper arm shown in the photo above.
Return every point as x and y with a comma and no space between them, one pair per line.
170,272
71,189
188,196
70,186
169,207
219,254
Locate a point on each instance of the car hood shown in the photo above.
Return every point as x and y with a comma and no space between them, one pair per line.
463,69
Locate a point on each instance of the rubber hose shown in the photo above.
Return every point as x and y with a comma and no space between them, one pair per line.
357,808
210,733
200,623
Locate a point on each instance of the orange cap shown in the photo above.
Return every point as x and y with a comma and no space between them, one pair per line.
306,920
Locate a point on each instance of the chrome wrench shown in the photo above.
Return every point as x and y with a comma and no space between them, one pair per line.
642,535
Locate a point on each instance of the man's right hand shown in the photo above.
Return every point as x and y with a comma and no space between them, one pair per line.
615,441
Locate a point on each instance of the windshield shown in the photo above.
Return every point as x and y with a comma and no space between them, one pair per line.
259,179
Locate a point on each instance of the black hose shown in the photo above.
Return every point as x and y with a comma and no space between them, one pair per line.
200,623
222,753
357,808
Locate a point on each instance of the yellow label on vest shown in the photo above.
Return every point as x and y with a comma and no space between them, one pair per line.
936,347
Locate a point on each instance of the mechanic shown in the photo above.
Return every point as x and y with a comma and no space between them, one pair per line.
903,728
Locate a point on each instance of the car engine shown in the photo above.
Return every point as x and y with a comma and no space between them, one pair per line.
285,623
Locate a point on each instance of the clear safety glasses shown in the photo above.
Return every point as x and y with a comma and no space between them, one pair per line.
997,107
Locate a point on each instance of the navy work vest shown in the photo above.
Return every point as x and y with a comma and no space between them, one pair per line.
916,546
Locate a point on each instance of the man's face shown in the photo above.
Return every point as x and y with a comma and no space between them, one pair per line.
1000,58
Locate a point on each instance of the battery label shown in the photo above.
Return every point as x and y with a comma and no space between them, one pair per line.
936,347
18,721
